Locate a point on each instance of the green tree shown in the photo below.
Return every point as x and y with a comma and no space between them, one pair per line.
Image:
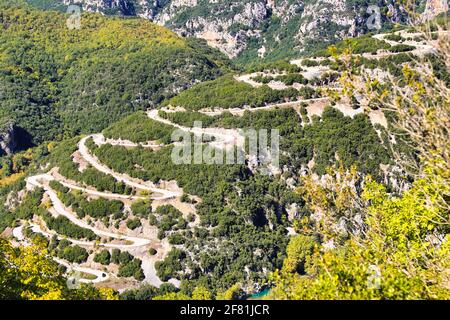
103,257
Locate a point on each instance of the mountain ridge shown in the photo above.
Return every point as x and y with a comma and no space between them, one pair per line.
252,29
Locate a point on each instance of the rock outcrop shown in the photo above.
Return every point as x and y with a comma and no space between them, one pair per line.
8,143
258,28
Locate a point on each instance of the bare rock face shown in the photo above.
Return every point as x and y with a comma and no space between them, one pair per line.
8,142
434,8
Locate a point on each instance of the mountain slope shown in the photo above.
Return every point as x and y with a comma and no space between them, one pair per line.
54,80
266,29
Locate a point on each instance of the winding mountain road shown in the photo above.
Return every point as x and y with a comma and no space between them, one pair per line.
224,138
420,49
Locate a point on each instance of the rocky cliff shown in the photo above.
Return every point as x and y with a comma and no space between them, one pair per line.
8,143
249,29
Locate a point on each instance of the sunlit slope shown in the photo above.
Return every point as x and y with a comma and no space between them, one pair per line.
54,79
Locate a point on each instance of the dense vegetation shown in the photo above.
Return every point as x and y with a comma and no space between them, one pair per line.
147,292
291,78
129,266
142,208
89,77
399,248
388,262
31,205
364,242
197,179
28,273
139,128
354,141
168,218
393,64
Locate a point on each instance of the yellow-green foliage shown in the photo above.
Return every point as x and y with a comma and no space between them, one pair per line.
11,179
56,80
201,293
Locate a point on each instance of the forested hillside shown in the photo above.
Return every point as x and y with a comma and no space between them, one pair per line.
346,198
56,82
252,30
